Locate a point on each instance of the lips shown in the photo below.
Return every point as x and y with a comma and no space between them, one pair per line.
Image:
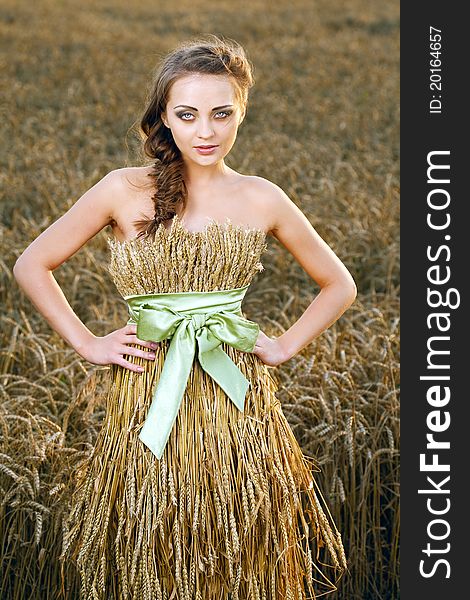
207,147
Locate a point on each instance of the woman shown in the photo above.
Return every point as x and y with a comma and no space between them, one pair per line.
196,486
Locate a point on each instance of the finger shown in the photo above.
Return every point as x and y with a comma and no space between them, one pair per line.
128,365
131,351
130,328
133,339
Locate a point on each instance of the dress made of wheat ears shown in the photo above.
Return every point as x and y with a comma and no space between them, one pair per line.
196,487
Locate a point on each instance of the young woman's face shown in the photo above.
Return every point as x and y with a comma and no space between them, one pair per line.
203,110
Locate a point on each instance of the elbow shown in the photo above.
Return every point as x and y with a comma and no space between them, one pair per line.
352,290
353,297
18,269
21,269
26,268
349,294
349,290
345,287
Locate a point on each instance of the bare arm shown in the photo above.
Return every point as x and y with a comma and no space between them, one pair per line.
61,240
338,289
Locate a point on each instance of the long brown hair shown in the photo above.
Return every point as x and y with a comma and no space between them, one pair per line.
209,55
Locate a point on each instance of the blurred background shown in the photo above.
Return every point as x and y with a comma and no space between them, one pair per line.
323,124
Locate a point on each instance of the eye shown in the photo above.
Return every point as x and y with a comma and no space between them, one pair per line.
224,112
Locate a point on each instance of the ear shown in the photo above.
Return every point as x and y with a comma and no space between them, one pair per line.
163,118
242,116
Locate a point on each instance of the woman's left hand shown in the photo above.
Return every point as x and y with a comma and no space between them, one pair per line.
269,350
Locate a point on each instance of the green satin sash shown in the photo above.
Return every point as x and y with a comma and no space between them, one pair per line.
190,319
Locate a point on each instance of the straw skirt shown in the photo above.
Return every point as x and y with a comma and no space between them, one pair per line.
232,509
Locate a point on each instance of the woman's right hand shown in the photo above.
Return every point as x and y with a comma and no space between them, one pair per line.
110,349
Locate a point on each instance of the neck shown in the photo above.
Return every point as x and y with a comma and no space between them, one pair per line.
201,177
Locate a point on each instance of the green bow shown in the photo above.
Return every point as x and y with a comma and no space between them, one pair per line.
189,318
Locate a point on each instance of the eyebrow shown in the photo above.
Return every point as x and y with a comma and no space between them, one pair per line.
192,107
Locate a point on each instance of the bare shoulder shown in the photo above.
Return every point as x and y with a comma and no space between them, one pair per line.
271,202
290,226
116,183
95,209
132,199
128,179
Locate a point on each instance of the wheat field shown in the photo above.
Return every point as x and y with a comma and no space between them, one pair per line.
323,123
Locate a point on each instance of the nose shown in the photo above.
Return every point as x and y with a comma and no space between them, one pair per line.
205,129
